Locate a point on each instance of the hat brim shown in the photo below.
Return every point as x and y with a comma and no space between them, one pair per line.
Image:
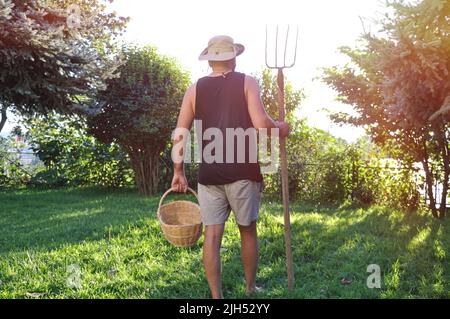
224,56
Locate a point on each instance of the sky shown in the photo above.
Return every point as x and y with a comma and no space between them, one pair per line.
182,29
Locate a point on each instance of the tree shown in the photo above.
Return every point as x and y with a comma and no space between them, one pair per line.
269,95
399,84
55,54
138,110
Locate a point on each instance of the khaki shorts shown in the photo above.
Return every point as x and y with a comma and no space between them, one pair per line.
242,197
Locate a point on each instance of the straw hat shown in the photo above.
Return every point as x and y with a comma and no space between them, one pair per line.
221,48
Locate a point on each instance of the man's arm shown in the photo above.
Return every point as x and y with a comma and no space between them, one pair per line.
258,114
185,119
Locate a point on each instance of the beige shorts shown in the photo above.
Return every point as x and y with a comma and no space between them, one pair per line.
242,197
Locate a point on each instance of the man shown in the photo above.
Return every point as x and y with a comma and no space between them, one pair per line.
225,100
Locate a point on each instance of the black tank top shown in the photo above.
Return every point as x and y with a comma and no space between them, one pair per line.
220,103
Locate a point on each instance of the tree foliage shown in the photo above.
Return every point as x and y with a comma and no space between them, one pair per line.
398,82
269,95
55,55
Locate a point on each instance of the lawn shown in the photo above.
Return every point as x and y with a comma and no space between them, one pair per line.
111,243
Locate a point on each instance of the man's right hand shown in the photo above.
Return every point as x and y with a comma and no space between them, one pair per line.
284,129
179,182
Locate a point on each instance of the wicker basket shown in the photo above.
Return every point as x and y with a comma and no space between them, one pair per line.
180,221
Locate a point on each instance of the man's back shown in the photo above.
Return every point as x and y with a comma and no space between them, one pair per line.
221,111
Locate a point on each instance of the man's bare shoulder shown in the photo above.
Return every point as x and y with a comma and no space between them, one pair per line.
251,84
191,89
250,79
189,96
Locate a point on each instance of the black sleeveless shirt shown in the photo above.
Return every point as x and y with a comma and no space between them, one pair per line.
220,104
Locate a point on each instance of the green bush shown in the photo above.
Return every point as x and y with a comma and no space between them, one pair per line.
72,157
12,172
372,181
316,167
49,178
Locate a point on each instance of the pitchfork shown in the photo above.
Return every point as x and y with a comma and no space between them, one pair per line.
284,173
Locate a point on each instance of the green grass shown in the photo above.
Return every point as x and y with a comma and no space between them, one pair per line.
115,240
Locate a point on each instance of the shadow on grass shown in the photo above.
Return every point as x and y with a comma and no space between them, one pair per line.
48,219
345,242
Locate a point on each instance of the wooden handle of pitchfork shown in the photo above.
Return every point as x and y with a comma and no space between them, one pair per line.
285,185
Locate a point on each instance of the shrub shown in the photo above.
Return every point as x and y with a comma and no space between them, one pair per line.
72,157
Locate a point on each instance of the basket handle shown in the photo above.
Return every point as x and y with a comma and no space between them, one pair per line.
172,190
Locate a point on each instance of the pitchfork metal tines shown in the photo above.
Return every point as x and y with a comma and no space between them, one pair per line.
287,61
